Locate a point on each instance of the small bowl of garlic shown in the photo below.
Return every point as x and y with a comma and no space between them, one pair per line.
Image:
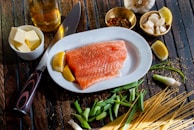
27,41
156,23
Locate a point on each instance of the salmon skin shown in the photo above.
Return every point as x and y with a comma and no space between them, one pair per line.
96,62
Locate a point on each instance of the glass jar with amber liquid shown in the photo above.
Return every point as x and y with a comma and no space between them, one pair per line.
45,14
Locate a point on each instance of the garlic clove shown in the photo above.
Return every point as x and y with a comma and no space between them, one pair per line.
153,19
162,29
149,24
157,30
155,15
160,22
149,30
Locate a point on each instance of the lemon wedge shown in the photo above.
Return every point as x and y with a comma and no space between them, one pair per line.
58,61
67,74
160,50
166,14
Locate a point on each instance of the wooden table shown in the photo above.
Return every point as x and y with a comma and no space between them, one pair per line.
52,105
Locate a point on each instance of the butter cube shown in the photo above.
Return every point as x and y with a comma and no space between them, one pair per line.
22,47
17,36
32,39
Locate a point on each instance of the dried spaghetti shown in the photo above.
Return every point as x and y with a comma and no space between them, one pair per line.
164,111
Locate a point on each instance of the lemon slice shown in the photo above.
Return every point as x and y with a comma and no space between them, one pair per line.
160,50
166,14
58,61
67,74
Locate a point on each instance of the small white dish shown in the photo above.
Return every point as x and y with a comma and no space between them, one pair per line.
138,62
32,55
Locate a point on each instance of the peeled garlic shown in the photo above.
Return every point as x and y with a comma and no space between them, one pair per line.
162,29
150,30
139,6
155,15
160,22
155,24
153,19
157,30
149,24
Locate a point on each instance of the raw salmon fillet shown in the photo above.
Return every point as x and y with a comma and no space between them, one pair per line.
96,62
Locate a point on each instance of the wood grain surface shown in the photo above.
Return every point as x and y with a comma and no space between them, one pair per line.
52,106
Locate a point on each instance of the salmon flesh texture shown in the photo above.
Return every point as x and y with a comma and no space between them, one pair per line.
96,62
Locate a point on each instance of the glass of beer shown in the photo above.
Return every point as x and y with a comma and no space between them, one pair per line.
45,14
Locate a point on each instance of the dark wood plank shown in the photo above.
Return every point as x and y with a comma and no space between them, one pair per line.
186,51
102,8
181,43
83,19
9,68
2,122
2,89
11,72
39,111
90,15
65,6
192,4
114,3
52,105
188,22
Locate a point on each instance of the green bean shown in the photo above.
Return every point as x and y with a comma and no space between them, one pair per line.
141,100
128,86
86,113
116,106
77,106
127,104
139,83
107,101
95,102
132,94
101,116
93,107
123,98
83,122
110,114
106,107
94,111
99,110
130,117
92,119
125,87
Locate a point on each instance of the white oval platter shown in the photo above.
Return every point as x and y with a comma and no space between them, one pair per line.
137,64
